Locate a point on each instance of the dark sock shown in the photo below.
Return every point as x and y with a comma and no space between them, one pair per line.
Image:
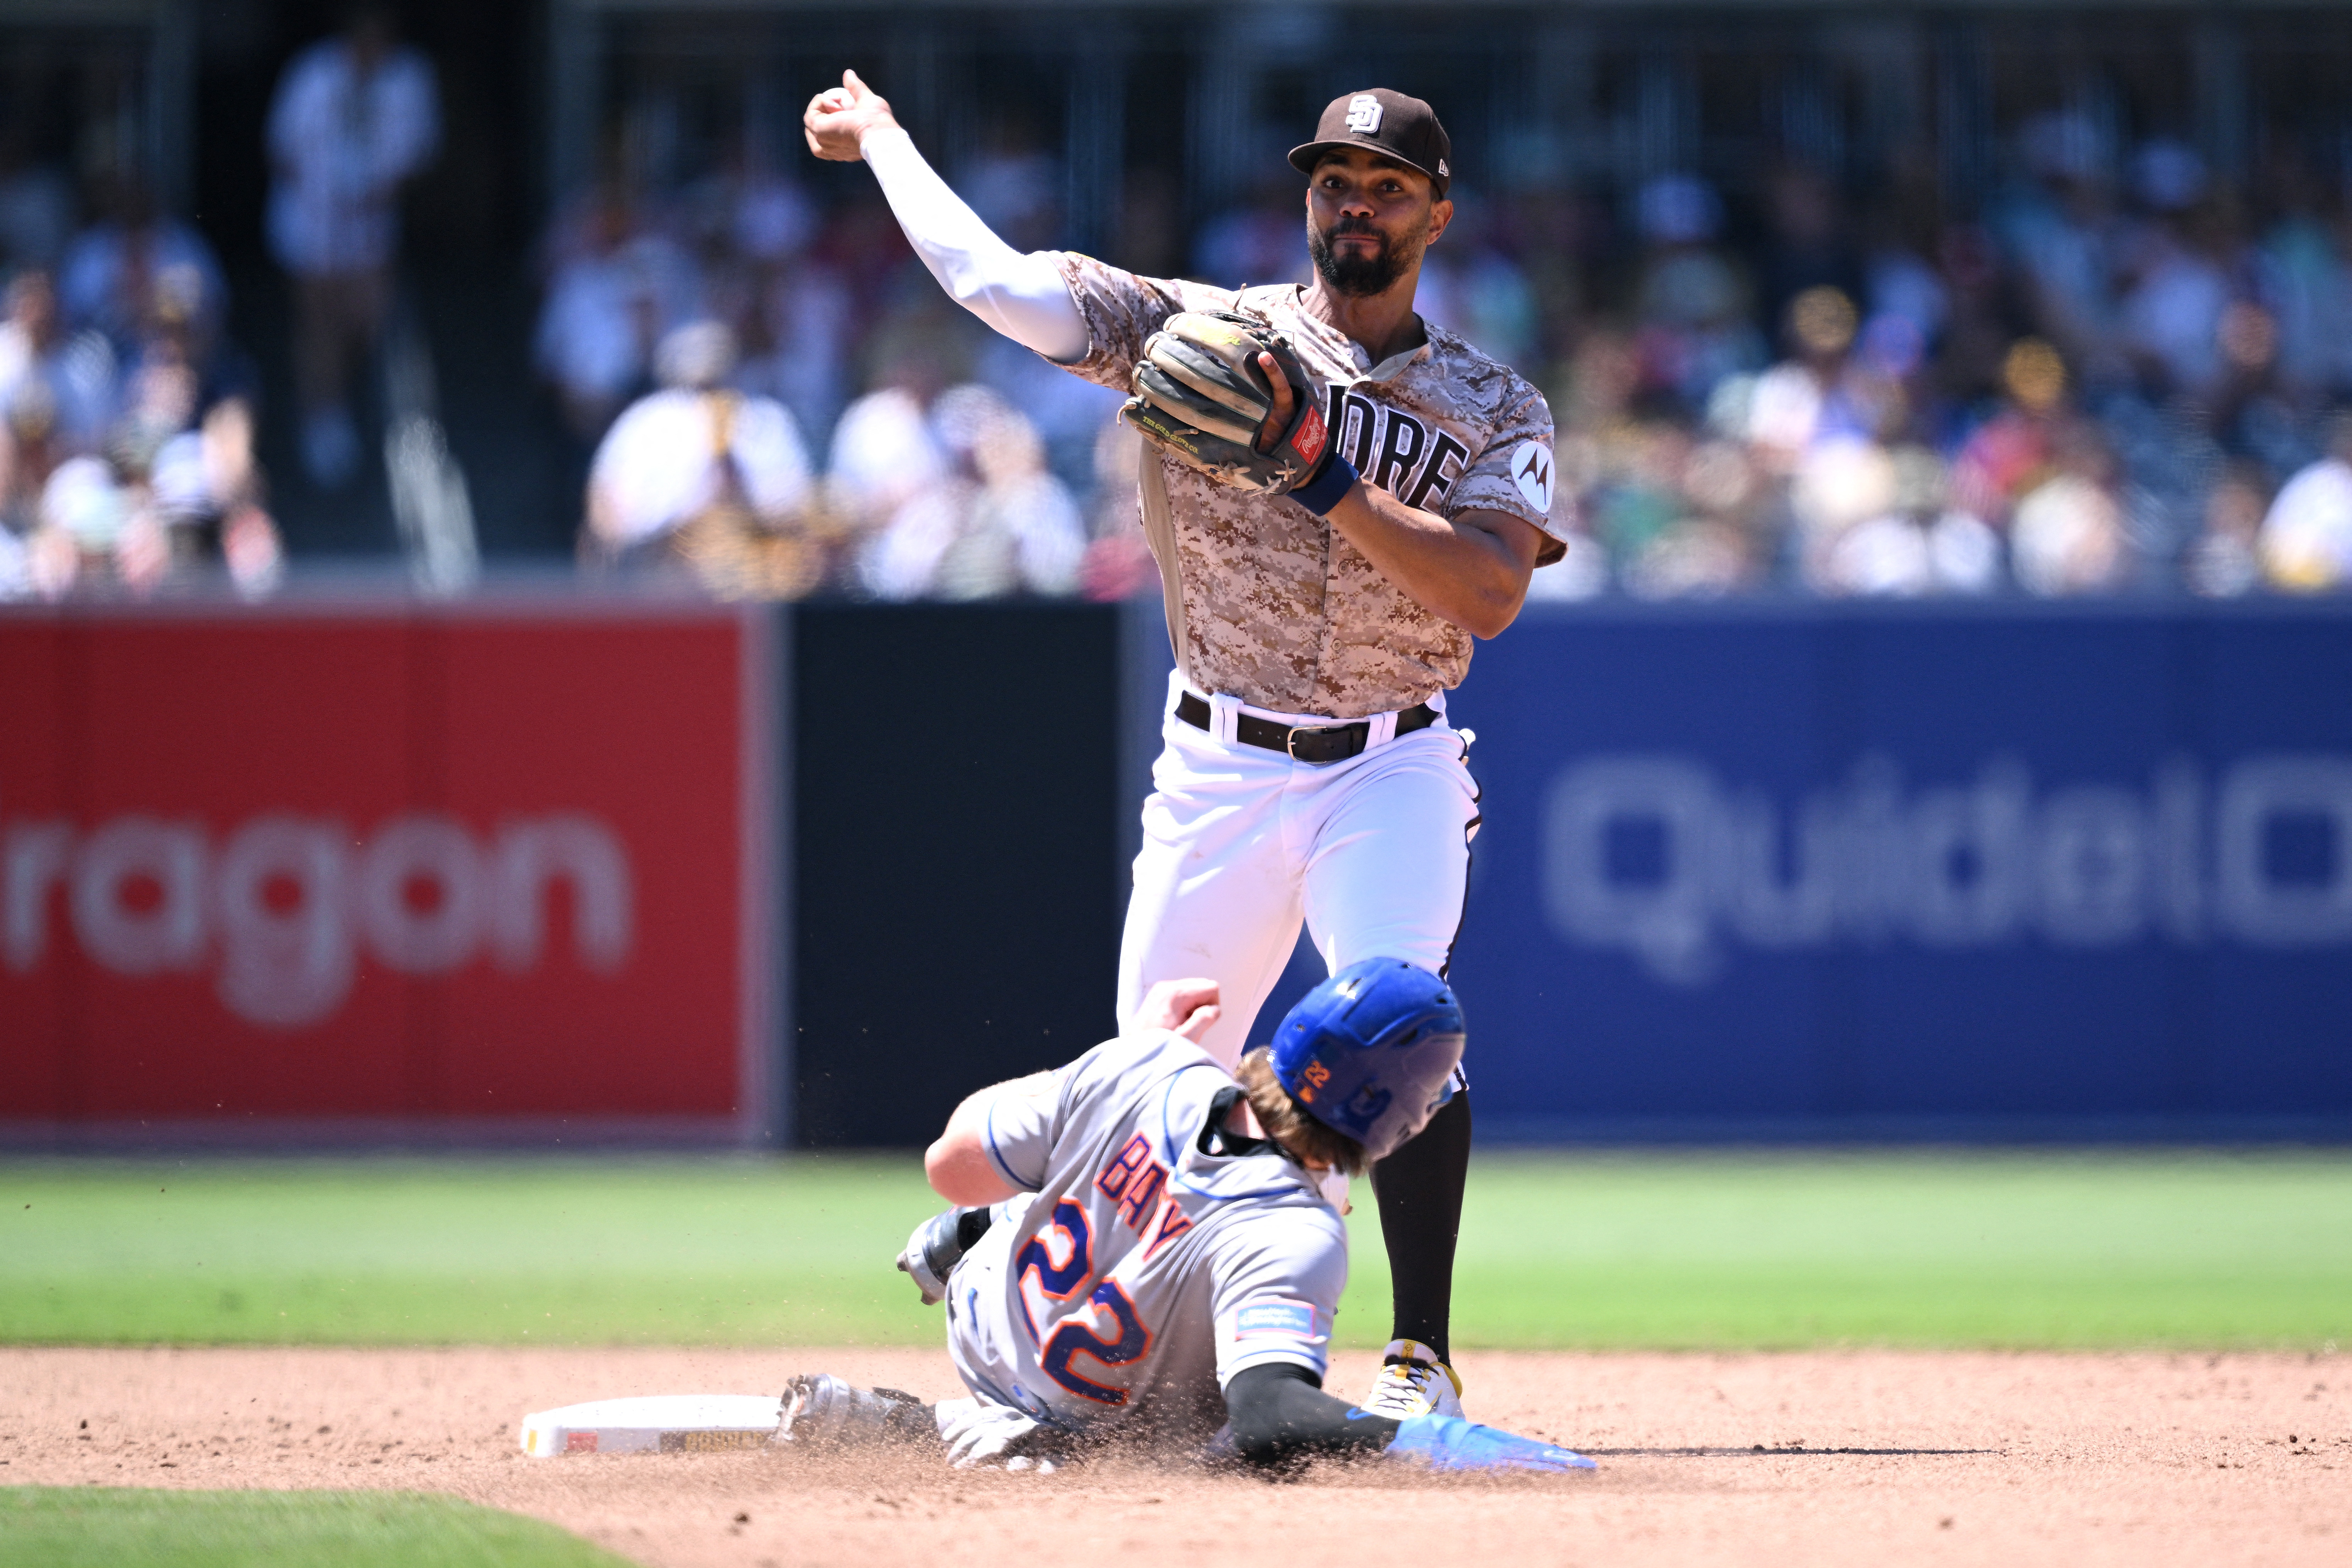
1420,1192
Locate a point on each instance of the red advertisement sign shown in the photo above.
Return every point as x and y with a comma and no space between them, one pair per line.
496,867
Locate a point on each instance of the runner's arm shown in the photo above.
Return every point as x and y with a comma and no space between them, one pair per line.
1279,1412
957,1165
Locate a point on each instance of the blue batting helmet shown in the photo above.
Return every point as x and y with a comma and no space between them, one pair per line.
1371,1051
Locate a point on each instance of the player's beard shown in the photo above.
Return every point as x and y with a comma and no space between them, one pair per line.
1359,274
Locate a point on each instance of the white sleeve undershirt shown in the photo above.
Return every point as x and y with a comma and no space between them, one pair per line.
1022,297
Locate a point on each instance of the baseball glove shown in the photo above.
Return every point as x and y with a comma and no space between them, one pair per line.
1202,397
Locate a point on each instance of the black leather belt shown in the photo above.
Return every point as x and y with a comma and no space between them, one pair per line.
1317,744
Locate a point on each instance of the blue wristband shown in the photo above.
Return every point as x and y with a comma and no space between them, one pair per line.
1322,493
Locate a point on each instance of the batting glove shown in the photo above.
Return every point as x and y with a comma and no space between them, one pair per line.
1451,1443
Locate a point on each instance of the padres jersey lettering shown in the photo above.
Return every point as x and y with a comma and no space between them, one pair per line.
1141,1273
1266,601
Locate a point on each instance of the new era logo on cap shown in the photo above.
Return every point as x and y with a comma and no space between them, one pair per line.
1364,114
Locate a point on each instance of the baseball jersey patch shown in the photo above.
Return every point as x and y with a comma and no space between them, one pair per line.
1531,467
1275,1320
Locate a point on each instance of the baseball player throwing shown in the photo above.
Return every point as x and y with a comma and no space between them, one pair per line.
1158,1259
1339,497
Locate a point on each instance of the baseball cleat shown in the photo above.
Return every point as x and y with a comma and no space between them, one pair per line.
1412,1381
822,1411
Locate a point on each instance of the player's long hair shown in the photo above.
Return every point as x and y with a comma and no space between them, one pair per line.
1286,1121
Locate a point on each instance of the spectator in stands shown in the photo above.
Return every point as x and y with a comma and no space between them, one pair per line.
36,206
2301,276
71,380
884,451
1703,544
1262,240
2306,543
1024,533
172,492
1918,544
1693,300
2014,450
1118,563
699,478
997,523
2060,230
114,269
2171,315
356,117
32,444
185,445
1822,391
1810,246
797,331
2221,562
612,300
2067,536
793,316
1475,289
1816,421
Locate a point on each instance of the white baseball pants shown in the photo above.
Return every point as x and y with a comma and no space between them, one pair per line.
1240,843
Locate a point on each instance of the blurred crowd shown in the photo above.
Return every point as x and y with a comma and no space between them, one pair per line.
2117,375
783,403
126,416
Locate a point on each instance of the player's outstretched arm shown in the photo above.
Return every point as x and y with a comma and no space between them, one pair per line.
1022,296
1279,1412
959,1166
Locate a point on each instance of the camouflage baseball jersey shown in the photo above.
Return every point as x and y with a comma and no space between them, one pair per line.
1152,1263
1266,600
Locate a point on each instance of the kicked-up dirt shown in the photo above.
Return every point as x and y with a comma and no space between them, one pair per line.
1824,1460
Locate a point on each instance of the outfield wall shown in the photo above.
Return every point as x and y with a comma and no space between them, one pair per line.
531,871
369,870
1913,871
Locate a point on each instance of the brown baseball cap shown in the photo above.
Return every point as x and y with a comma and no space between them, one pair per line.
1389,123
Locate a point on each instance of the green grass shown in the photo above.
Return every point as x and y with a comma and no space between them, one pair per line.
2205,1250
1731,1250
94,1527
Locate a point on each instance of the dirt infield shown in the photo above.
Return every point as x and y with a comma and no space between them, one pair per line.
1841,1457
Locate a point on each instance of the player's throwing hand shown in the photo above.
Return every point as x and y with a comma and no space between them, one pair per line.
837,118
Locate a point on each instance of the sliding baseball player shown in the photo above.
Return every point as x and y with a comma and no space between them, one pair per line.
1147,1252
1339,497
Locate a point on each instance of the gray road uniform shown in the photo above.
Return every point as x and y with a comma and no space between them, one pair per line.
1151,1260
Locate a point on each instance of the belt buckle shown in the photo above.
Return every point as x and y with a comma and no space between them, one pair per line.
1290,743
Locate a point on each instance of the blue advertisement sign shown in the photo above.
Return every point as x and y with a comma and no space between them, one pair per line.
1912,872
